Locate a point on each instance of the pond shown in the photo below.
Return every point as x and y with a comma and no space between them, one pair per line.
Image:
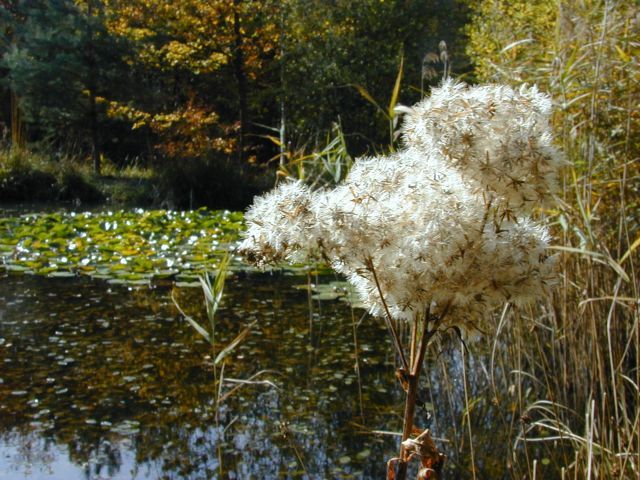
103,378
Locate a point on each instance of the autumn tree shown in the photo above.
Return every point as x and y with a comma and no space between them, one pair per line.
196,61
59,62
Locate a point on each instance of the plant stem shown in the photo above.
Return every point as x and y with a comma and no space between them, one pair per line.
409,411
388,318
413,380
356,348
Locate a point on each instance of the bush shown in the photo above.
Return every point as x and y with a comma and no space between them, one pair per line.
74,185
23,178
211,182
27,176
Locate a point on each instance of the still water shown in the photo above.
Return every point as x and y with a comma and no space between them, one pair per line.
109,382
102,378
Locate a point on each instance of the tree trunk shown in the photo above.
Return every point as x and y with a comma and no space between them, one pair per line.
17,130
241,78
91,87
95,153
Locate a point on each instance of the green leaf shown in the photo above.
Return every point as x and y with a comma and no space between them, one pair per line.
198,328
396,90
234,343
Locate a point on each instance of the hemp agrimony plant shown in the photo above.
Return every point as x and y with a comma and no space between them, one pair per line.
437,234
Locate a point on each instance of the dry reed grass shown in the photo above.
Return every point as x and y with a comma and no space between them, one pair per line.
580,347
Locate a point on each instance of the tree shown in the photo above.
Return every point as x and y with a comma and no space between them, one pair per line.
9,17
332,46
187,56
60,62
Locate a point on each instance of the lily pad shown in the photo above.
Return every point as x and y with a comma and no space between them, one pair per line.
326,296
188,285
62,274
129,244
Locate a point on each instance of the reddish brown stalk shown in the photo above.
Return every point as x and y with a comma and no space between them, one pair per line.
413,380
388,318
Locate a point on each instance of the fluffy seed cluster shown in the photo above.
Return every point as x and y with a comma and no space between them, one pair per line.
497,137
444,223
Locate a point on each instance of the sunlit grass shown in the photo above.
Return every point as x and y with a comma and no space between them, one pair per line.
578,351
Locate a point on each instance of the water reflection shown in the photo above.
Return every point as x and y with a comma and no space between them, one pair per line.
102,381
105,382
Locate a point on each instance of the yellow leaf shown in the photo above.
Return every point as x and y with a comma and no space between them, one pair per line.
396,90
633,246
363,91
623,55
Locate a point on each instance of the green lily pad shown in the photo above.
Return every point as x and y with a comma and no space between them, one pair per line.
364,454
16,268
165,273
104,244
62,274
188,284
102,276
326,296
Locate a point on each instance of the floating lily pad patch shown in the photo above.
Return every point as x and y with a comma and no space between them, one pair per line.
134,247
342,291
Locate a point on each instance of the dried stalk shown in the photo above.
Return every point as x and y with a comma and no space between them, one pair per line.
410,448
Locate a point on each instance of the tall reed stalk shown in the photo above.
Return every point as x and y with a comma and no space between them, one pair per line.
585,351
213,291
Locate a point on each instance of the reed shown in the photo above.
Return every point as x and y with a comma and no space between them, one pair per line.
584,349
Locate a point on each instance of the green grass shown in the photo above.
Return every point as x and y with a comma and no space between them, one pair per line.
31,176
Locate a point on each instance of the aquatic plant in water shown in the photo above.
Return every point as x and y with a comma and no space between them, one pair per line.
130,247
437,234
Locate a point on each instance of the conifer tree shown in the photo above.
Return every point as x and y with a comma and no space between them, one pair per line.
60,63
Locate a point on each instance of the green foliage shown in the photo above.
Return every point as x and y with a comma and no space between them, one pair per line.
514,32
59,55
212,297
26,175
123,247
330,46
211,180
389,113
326,164
22,178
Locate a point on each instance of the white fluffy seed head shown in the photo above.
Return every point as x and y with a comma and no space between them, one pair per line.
426,227
497,137
277,224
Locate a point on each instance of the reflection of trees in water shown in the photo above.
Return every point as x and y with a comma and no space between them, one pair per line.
32,451
103,376
103,457
122,383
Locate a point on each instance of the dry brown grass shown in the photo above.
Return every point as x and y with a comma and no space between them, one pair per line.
585,344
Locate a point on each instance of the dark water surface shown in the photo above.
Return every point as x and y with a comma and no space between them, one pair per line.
101,381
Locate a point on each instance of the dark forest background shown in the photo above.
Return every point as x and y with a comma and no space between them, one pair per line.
211,92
